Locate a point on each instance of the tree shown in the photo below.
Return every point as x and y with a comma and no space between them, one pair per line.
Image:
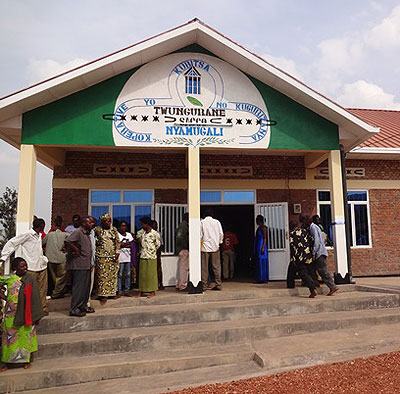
8,212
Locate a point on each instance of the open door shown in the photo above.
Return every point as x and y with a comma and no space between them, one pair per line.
169,216
276,219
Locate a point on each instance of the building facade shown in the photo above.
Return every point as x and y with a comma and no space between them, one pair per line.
189,119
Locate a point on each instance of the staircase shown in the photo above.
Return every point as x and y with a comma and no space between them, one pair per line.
178,340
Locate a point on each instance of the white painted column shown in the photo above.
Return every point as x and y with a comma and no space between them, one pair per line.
26,188
338,218
194,215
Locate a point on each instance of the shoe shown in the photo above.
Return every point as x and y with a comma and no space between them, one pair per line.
116,297
128,295
217,288
161,287
313,294
56,297
77,313
46,313
89,309
333,291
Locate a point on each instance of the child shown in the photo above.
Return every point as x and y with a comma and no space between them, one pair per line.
21,313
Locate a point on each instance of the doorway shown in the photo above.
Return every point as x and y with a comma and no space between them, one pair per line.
240,220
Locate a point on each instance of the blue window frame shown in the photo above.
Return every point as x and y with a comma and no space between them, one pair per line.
99,196
192,81
239,196
141,211
358,208
121,213
98,210
138,196
210,196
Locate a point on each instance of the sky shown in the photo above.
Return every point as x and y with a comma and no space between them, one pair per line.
347,50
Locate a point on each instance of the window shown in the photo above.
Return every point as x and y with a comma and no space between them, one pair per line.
192,81
358,207
227,197
123,205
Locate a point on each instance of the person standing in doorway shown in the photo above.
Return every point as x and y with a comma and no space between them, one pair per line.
229,253
124,273
211,236
182,250
29,246
79,261
76,223
107,253
154,225
54,251
261,251
319,256
150,242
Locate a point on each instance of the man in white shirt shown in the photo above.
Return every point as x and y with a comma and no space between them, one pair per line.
76,223
212,237
29,247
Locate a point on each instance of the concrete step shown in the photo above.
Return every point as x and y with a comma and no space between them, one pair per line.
161,315
272,355
69,371
170,296
160,383
206,334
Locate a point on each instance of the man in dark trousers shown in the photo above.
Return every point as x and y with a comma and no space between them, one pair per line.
301,244
79,259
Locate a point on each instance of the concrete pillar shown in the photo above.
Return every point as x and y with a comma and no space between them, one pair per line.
26,188
194,217
338,214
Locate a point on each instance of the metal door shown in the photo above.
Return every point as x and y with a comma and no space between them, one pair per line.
276,219
169,216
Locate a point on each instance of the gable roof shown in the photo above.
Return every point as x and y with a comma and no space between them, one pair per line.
389,123
352,129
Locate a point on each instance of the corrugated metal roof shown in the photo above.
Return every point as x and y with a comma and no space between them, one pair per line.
389,123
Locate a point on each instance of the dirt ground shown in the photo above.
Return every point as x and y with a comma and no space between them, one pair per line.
376,374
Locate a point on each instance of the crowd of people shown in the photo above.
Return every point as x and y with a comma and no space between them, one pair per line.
87,259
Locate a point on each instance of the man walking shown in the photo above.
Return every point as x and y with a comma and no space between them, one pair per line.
319,256
79,260
182,250
54,243
29,246
301,243
211,236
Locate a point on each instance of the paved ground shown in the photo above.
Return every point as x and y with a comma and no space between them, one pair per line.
371,375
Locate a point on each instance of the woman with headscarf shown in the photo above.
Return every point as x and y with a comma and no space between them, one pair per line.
261,251
107,252
150,242
22,311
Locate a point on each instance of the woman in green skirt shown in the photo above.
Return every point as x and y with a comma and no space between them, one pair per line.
150,242
21,313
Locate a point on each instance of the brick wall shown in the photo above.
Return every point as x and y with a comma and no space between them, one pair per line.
68,202
374,169
168,165
170,196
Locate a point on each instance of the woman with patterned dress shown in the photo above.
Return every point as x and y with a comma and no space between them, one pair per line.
107,252
21,313
261,251
150,242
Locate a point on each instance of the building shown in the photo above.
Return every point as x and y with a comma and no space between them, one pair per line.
190,118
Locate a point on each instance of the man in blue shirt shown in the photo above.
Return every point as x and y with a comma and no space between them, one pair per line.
320,254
